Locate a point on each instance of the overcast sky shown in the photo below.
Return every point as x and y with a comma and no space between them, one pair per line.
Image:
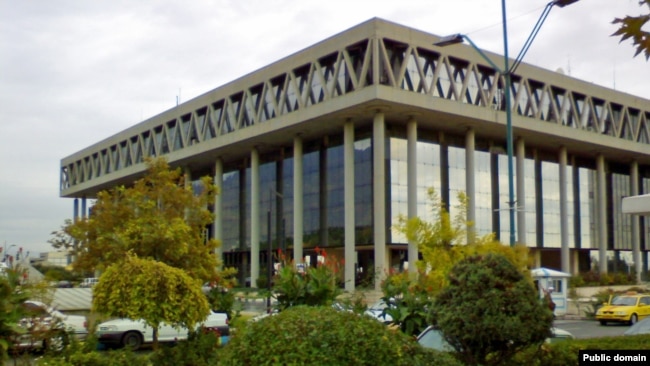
73,72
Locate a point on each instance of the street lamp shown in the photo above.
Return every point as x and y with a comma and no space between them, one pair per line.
269,248
507,72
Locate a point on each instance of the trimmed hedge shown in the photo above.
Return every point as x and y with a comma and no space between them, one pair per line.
324,336
566,353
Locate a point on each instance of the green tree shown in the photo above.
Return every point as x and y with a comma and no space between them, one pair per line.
159,217
139,288
630,27
490,311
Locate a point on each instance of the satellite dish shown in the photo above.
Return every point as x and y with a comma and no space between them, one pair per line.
560,70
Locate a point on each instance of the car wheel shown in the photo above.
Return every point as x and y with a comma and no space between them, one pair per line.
633,319
56,343
132,340
602,322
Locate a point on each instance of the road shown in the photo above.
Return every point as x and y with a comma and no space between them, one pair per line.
590,328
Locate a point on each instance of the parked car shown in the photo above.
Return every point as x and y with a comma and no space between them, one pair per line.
432,338
376,311
64,284
47,328
627,308
134,333
89,282
642,327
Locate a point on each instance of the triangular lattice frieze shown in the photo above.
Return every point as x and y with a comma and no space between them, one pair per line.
407,65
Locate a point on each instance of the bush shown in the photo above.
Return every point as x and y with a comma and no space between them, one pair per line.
200,349
315,286
566,353
305,335
95,358
408,299
594,278
490,311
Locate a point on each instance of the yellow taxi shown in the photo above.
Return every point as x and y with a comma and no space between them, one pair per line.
625,308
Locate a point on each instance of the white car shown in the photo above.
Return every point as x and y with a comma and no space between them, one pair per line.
47,328
132,333
432,338
376,311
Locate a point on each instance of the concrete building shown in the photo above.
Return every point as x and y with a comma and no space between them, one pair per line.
337,140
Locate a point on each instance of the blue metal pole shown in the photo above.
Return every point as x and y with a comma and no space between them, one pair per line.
506,75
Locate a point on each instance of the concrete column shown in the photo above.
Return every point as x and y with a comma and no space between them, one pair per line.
520,204
255,216
601,203
576,263
297,200
75,210
187,175
577,217
539,202
279,203
84,210
636,237
412,176
348,192
379,196
444,172
323,234
217,225
564,212
470,190
496,204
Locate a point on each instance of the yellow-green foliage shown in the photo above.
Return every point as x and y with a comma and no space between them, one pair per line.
444,241
159,217
139,288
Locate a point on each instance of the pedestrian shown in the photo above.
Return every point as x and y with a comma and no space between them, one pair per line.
549,299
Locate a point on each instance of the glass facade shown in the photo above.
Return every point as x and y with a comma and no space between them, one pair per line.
439,166
323,200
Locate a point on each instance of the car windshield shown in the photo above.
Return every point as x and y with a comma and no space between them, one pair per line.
642,327
624,301
432,338
379,305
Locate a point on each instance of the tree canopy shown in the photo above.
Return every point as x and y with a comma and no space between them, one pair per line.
158,217
139,288
631,27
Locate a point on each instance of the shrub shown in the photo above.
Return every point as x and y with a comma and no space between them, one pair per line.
109,358
594,278
200,349
566,353
408,298
305,335
315,286
490,311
